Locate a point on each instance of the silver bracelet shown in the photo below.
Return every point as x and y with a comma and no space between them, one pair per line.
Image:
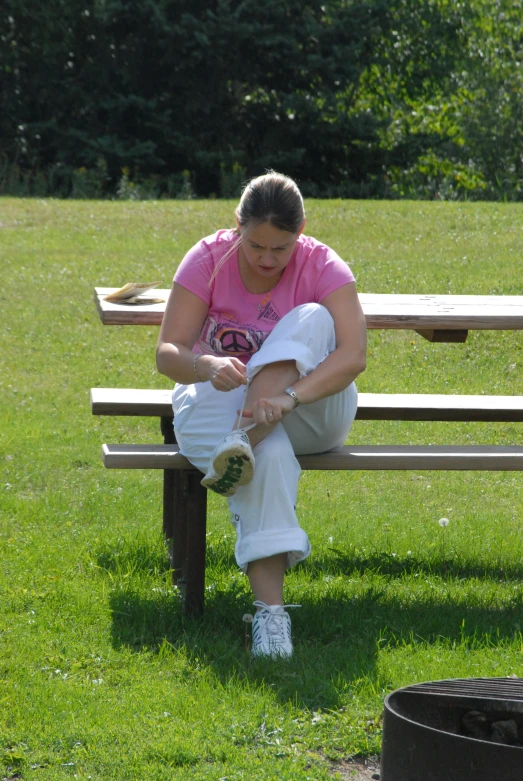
198,355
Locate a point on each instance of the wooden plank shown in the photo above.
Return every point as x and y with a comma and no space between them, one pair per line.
418,458
437,312
440,299
371,406
439,407
131,401
129,314
388,457
391,311
144,457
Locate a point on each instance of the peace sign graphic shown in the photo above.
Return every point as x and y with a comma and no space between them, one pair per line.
234,341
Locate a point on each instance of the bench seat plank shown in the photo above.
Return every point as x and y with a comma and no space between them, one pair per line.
371,406
388,457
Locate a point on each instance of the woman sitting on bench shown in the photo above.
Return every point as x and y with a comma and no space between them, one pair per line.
264,335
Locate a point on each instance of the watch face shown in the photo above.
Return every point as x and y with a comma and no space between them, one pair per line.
290,391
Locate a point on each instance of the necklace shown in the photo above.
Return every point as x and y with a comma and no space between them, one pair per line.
266,296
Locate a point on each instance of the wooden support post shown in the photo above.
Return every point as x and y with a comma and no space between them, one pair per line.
180,524
170,479
170,482
175,511
194,570
440,335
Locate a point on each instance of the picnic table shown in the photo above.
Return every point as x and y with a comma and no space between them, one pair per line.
438,318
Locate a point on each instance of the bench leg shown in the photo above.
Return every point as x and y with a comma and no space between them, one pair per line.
185,528
194,570
174,508
169,482
169,503
175,518
180,522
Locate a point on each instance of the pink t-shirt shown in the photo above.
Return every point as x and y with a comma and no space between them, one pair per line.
235,325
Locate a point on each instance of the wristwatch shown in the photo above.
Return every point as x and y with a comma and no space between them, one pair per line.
291,392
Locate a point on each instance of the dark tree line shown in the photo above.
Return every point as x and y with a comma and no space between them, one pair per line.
354,98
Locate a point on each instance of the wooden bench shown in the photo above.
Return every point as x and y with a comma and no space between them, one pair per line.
371,406
185,501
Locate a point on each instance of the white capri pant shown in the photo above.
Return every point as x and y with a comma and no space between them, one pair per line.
264,511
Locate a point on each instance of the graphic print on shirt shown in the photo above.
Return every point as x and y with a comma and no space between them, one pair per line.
229,338
269,312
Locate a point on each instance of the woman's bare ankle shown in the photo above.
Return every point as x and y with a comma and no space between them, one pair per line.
255,432
266,578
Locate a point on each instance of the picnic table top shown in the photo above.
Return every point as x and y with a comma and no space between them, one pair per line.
422,313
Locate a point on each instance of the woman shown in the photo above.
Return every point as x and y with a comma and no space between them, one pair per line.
264,335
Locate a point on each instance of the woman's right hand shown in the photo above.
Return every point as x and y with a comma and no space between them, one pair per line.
224,374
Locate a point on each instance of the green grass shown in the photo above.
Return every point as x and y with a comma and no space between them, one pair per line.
101,677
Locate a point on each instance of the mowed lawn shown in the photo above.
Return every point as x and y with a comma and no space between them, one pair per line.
101,676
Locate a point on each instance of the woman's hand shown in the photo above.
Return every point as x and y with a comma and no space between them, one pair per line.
270,410
224,374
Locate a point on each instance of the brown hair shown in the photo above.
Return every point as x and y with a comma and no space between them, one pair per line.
273,198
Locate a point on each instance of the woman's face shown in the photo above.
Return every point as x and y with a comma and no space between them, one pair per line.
267,249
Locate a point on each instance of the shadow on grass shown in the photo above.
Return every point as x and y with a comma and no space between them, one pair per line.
146,558
337,637
143,555
337,562
327,658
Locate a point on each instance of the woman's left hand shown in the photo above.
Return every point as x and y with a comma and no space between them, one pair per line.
270,410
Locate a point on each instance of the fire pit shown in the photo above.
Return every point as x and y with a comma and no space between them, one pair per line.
457,730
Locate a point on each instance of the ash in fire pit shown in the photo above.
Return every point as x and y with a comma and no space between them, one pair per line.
476,724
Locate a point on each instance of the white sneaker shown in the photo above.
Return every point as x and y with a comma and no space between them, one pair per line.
231,465
271,632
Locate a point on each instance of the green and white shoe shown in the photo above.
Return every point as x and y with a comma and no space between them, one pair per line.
231,465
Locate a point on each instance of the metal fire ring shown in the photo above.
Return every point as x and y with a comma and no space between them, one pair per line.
456,730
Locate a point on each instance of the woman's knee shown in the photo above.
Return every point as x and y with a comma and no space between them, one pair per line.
313,311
